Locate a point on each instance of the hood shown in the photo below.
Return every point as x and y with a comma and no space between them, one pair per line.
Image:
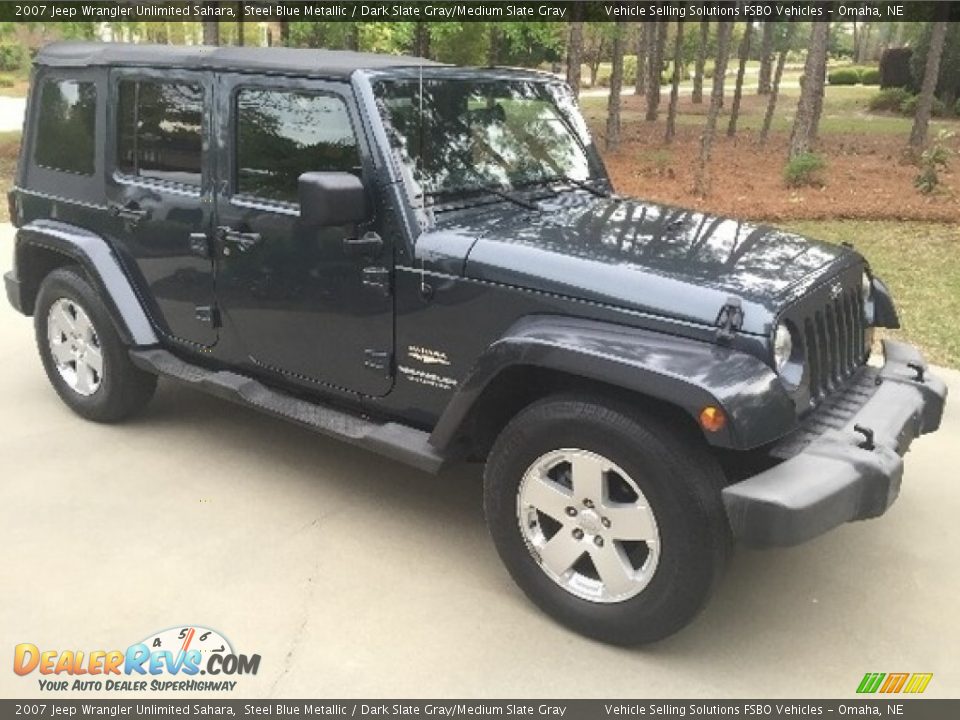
643,257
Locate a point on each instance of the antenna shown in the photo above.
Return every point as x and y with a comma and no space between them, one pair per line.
424,288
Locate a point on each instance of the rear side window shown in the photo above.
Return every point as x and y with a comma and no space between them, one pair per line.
283,134
66,126
160,130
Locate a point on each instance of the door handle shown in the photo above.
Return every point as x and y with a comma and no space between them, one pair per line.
242,241
131,212
369,244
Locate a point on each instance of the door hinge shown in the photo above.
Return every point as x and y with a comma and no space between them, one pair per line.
729,319
208,314
377,278
380,360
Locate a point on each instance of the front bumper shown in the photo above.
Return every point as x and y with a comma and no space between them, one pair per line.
13,291
839,477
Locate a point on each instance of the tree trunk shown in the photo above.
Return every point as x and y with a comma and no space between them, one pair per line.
353,38
775,90
741,70
811,92
616,84
595,63
285,33
921,122
240,24
654,68
766,57
675,87
701,62
643,51
574,56
421,39
211,29
701,181
493,49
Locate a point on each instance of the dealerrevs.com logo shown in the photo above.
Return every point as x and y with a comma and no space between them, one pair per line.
173,659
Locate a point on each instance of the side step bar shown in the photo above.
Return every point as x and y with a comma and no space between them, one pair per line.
398,442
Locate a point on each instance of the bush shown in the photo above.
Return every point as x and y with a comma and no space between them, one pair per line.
909,106
13,56
895,68
843,76
870,76
932,161
956,108
804,169
889,99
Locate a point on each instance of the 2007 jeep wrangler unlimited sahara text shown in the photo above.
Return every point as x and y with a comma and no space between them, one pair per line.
429,262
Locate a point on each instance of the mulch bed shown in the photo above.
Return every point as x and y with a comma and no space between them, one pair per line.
865,177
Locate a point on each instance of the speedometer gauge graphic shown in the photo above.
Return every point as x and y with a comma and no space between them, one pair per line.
188,637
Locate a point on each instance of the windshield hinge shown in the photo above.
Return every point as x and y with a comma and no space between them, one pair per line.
729,319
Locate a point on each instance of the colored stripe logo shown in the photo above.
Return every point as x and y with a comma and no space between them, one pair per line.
894,683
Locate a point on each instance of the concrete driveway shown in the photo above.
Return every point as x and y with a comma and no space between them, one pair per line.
12,110
354,576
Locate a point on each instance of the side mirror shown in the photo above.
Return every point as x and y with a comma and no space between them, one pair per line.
331,198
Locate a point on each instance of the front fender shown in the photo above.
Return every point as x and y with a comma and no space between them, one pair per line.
685,373
94,254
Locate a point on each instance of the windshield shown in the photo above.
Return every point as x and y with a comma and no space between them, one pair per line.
460,136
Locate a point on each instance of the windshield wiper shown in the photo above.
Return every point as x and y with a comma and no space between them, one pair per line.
489,189
580,184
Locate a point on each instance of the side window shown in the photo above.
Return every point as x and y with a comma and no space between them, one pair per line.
66,127
160,130
283,134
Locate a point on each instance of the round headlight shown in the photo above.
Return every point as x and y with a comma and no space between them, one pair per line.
865,287
782,346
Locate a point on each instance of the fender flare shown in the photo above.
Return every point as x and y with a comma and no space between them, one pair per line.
685,373
95,255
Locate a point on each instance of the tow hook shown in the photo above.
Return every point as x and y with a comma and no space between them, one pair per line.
867,433
918,369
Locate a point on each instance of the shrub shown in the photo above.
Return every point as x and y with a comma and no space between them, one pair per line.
909,106
870,76
13,56
890,99
843,76
804,169
932,161
956,108
895,68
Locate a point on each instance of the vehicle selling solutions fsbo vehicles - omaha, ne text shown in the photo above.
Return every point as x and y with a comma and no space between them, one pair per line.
429,262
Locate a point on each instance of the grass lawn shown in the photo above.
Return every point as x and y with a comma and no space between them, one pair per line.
919,262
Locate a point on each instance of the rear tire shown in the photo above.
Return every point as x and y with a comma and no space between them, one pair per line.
609,520
82,354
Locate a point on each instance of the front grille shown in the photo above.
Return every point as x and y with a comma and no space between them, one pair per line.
834,342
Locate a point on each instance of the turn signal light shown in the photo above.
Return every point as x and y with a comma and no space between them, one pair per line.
712,419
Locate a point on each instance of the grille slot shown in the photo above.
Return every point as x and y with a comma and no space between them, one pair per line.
833,338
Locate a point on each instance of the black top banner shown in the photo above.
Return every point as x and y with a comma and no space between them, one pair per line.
477,11
478,709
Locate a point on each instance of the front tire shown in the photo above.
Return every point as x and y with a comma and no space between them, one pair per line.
610,521
82,354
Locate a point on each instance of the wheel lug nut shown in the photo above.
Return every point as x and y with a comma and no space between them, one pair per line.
598,541
578,533
588,503
572,511
605,522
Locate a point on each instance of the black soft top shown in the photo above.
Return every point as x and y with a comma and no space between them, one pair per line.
325,63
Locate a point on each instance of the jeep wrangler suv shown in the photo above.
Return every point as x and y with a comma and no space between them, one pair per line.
430,262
